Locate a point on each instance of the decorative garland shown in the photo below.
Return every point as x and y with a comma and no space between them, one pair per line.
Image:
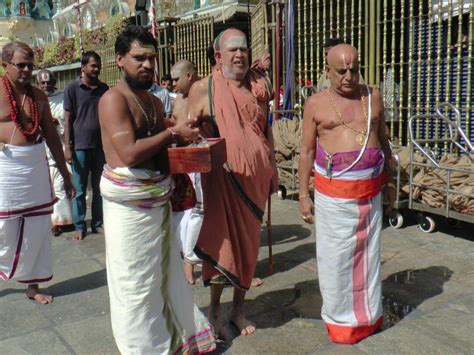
14,111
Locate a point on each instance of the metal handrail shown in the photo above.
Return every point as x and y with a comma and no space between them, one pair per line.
452,125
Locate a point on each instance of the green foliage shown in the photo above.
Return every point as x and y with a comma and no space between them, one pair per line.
113,26
67,50
59,53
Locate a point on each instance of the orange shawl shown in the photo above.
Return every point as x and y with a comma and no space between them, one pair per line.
234,202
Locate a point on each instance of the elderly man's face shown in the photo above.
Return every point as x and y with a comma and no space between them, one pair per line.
47,85
233,56
343,73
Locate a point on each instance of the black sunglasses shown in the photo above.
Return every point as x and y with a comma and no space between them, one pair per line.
23,66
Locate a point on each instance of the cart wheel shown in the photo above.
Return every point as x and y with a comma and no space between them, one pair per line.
395,219
453,222
427,224
281,192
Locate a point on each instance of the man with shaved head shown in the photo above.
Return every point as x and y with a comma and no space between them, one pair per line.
187,221
344,137
232,103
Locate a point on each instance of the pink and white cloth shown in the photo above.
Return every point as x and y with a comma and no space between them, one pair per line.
348,212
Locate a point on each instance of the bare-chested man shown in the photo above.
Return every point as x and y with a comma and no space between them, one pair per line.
347,201
188,222
233,103
26,194
152,307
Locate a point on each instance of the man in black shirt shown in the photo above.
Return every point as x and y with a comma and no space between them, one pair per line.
83,146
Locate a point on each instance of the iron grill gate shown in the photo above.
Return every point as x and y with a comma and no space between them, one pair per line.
419,53
259,25
191,40
164,39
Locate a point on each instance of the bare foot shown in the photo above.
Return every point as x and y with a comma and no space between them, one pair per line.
79,235
245,326
189,272
214,316
33,293
256,281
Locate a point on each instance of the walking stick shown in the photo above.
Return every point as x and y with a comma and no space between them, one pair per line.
271,263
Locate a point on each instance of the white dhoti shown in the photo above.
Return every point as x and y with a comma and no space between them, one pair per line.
62,212
152,306
26,203
187,224
348,213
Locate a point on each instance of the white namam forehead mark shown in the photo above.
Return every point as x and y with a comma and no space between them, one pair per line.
347,61
236,42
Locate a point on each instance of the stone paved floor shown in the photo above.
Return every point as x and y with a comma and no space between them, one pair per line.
428,281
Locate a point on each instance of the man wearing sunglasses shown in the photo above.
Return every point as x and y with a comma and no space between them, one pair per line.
26,194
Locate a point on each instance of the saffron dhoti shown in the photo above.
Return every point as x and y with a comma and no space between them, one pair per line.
152,307
26,203
348,211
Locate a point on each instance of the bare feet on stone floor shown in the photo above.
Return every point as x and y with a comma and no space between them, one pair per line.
256,281
214,316
245,326
79,235
189,272
33,293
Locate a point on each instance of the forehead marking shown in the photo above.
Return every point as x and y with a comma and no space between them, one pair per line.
347,64
236,42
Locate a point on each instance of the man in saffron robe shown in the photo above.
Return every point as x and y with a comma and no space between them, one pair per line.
344,126
151,304
26,194
233,104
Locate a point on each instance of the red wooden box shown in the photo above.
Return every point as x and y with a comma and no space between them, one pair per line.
198,159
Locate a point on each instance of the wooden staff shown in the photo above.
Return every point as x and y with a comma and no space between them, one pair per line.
271,263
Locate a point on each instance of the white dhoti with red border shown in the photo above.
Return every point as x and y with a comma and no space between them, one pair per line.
348,211
26,203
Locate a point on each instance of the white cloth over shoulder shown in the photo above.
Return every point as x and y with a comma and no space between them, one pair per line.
26,201
152,306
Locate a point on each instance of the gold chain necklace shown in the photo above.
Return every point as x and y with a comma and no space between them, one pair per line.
361,135
150,122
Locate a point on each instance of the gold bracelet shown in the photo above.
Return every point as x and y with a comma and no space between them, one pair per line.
303,196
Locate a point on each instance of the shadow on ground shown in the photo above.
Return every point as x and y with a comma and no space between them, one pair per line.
79,284
275,308
282,234
404,291
287,260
